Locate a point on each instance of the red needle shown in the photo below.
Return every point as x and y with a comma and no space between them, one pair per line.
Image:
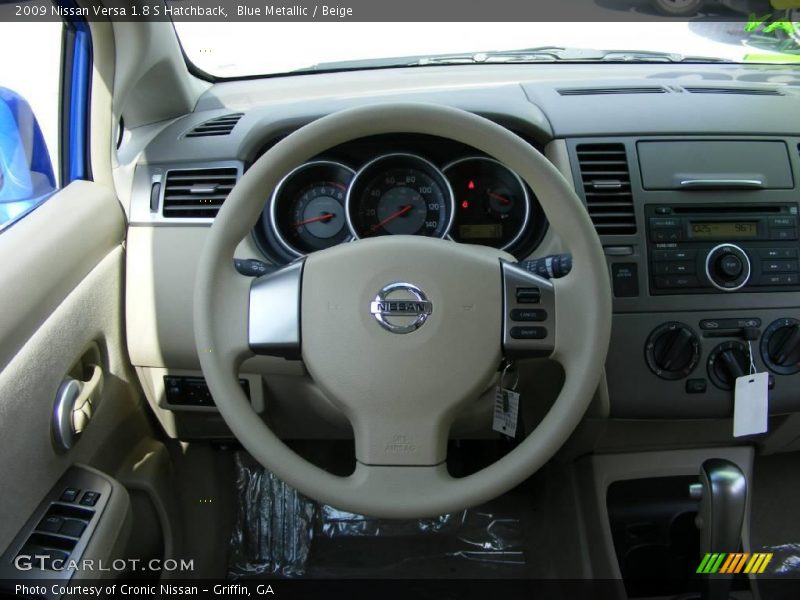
322,217
399,213
502,199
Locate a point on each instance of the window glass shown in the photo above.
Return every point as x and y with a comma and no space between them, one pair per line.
29,112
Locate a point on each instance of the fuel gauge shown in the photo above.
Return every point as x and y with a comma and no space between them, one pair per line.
493,206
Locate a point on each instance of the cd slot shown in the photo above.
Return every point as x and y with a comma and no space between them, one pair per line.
728,209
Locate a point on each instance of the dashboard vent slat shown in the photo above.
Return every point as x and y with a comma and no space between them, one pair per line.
606,181
215,127
734,91
611,90
197,193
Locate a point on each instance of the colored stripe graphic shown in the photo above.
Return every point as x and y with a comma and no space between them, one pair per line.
735,562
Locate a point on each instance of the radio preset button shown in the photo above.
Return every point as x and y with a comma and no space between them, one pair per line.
779,266
788,279
674,255
778,253
666,235
782,222
677,281
785,233
665,223
675,268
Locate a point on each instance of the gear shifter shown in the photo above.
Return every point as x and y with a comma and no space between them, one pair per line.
722,492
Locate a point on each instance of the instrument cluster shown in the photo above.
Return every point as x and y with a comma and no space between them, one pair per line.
430,187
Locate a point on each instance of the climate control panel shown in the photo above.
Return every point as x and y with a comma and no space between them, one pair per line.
660,367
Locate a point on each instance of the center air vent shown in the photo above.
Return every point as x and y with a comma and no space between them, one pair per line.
197,193
607,188
219,126
611,90
734,91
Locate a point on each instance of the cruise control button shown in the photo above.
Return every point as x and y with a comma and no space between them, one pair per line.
528,333
528,295
528,314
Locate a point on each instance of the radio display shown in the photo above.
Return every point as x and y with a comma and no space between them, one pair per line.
723,229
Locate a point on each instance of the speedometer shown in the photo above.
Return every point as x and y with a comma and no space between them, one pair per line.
400,194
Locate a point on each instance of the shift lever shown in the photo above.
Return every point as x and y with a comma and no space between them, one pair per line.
722,492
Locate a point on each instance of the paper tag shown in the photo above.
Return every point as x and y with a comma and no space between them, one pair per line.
750,404
506,409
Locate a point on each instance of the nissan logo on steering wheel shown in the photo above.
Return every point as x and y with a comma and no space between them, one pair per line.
401,307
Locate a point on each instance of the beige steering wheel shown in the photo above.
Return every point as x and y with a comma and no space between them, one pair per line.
401,388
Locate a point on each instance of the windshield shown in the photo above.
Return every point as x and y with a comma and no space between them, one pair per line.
231,49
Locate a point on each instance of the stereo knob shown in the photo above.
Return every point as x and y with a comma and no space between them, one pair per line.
727,267
727,362
672,351
780,346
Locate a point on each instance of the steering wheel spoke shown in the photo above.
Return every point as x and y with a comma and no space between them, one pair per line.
529,313
273,325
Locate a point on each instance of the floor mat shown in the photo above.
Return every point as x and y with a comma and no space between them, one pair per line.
281,533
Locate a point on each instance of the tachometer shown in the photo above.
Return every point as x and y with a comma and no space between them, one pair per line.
307,210
400,194
492,204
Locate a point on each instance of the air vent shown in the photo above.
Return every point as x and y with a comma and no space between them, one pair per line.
197,193
219,126
607,188
734,91
611,90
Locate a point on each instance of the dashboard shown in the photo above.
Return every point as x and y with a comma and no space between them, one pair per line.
688,172
399,185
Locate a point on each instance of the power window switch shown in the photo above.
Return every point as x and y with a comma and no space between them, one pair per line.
70,495
90,498
73,528
50,524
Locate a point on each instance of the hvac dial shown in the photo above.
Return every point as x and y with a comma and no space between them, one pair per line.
307,210
399,194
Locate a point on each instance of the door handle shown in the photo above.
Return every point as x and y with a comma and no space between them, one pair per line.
76,403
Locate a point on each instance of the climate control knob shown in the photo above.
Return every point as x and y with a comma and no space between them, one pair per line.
780,346
727,362
672,350
727,267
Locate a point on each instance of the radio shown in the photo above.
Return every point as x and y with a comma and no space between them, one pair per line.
723,248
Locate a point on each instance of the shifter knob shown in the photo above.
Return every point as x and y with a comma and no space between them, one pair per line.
723,499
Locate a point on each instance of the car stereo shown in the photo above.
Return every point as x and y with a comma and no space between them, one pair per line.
722,248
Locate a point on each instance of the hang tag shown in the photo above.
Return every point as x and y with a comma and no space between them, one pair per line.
506,411
751,404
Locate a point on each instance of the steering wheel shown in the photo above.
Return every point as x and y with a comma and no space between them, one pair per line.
450,303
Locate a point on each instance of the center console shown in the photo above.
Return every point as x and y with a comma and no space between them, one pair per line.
701,239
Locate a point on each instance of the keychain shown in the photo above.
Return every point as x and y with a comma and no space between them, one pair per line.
506,405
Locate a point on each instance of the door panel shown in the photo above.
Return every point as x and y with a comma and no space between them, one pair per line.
61,293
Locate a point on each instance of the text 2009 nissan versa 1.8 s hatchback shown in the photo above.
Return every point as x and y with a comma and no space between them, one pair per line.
283,313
